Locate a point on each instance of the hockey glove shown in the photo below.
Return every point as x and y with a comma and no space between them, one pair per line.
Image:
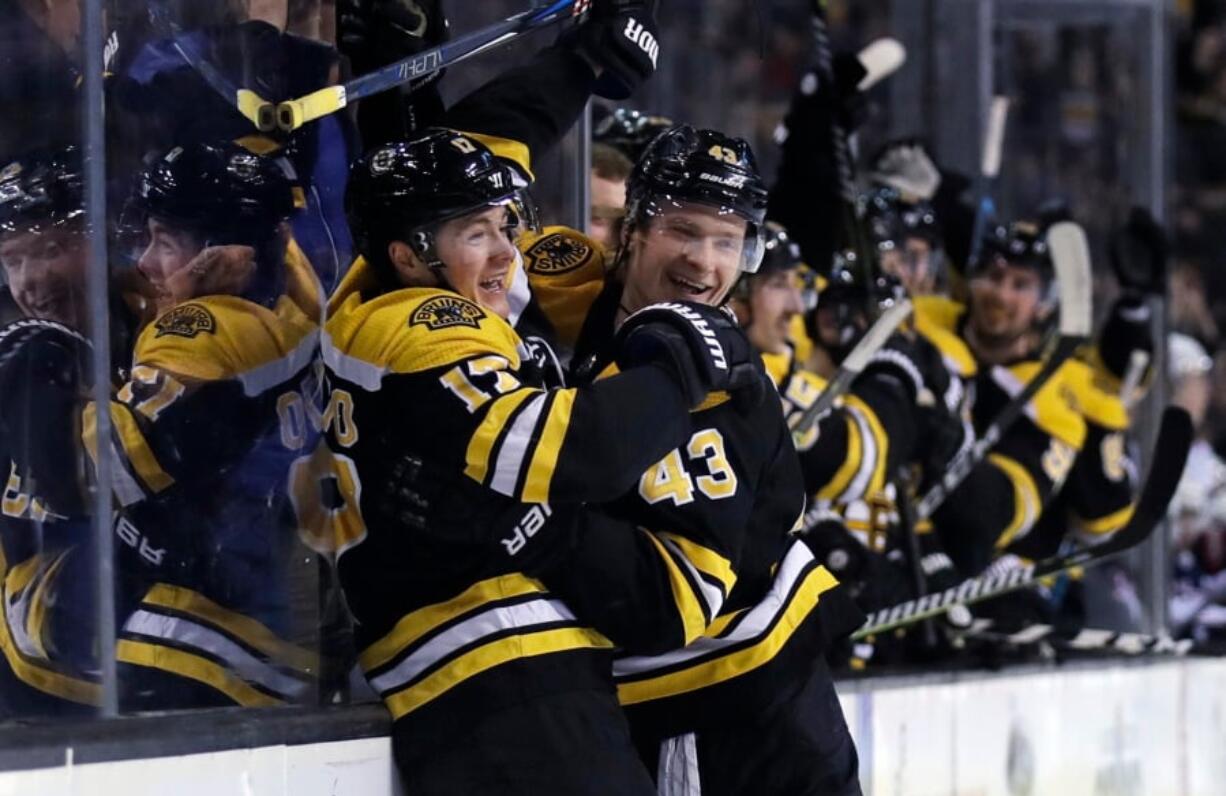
1139,254
45,373
622,39
454,510
375,33
701,345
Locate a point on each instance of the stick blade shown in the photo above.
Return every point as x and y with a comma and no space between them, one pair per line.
994,137
880,59
1070,255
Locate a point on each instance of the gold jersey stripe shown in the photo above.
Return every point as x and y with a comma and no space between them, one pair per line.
877,482
486,657
690,606
193,667
481,445
725,667
41,603
1108,524
1026,503
135,447
847,470
545,458
244,628
705,560
413,626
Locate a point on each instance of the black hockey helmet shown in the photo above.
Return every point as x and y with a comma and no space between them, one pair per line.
706,167
1022,244
222,194
892,219
42,190
629,131
405,189
779,253
855,293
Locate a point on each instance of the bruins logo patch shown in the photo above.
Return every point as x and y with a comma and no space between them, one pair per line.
557,254
444,312
187,320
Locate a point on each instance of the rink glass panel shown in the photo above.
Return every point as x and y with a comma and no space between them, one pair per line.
218,575
49,667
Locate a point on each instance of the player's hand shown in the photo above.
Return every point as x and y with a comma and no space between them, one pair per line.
701,345
621,39
215,271
375,33
452,509
1139,254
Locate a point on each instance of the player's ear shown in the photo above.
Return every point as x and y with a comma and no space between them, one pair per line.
408,266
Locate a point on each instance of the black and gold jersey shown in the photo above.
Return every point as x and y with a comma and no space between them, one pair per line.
1063,464
450,626
204,436
734,480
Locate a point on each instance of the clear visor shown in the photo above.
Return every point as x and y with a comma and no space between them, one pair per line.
716,234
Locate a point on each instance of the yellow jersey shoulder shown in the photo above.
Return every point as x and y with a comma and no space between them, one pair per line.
416,329
1092,394
566,271
222,337
1053,408
936,320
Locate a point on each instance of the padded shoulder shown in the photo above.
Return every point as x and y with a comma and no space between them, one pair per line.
566,271
1053,409
936,319
411,330
1092,394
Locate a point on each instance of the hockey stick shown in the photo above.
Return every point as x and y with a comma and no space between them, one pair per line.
989,168
292,114
1071,258
880,59
1084,640
1166,468
853,364
1130,391
252,106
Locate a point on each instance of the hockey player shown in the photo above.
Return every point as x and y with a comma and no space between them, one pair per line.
1070,442
205,431
696,206
49,661
456,631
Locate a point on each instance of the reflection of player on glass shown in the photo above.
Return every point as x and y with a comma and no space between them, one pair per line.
202,462
46,567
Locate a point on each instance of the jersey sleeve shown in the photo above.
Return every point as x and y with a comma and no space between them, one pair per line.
535,103
455,370
195,400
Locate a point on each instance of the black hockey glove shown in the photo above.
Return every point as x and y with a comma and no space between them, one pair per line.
701,345
834,546
1139,254
46,371
620,37
375,33
452,509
